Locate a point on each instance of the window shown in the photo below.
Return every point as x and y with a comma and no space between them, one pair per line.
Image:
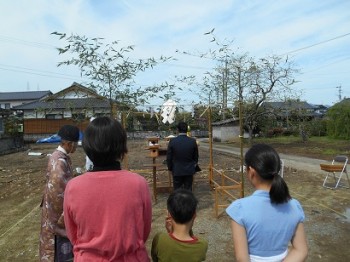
80,116
54,116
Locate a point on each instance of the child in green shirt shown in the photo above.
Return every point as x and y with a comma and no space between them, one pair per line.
179,244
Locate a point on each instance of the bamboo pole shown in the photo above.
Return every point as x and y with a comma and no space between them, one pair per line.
241,145
210,147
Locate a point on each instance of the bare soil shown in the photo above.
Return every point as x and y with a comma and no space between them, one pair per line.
22,181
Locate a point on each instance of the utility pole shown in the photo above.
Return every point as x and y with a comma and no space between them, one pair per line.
339,92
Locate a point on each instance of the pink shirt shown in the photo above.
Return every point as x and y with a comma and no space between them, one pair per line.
108,216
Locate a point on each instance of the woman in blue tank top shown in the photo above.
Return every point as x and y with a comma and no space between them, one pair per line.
264,223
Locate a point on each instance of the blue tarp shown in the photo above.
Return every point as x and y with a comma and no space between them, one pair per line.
56,138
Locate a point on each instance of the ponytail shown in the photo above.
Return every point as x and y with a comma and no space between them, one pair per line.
279,192
267,163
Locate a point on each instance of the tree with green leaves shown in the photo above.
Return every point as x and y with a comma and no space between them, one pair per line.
109,68
338,124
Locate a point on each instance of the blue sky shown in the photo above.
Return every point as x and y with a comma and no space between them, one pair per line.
315,34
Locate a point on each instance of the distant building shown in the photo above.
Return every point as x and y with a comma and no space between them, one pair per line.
226,130
75,105
286,111
10,99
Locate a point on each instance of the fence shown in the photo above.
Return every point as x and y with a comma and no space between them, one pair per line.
11,144
226,188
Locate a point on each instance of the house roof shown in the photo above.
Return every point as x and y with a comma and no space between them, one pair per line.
76,103
225,122
75,88
28,95
283,109
290,105
90,99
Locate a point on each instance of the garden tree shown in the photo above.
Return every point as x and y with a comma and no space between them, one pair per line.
201,116
317,127
252,81
13,125
338,124
271,78
244,80
291,117
146,120
109,68
182,115
214,86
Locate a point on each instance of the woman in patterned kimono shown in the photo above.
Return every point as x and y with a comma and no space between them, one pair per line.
54,245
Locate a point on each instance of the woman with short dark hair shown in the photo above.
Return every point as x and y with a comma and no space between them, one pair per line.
108,210
264,223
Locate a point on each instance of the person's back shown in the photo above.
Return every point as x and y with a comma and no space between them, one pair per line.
184,152
264,223
169,248
108,211
182,158
113,213
179,244
269,227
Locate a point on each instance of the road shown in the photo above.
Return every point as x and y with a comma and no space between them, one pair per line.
291,161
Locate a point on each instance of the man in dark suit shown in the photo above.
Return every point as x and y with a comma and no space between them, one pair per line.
182,158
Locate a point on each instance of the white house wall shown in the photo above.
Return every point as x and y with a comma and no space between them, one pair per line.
229,132
216,133
67,114
225,133
32,114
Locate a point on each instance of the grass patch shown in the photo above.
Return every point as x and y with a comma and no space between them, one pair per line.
317,147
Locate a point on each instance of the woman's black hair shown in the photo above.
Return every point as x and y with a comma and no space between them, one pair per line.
182,205
267,163
104,141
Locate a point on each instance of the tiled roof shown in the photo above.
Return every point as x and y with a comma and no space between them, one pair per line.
75,87
289,105
28,95
76,103
226,121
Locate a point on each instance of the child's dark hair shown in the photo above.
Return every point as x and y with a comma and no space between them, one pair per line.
182,205
267,163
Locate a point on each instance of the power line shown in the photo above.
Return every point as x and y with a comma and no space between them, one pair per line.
40,71
39,74
319,43
186,66
24,42
329,64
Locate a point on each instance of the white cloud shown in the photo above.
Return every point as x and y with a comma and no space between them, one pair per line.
160,27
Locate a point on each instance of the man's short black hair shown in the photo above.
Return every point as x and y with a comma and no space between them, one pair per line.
182,127
182,205
104,141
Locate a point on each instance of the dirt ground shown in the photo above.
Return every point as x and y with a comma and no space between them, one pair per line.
22,181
